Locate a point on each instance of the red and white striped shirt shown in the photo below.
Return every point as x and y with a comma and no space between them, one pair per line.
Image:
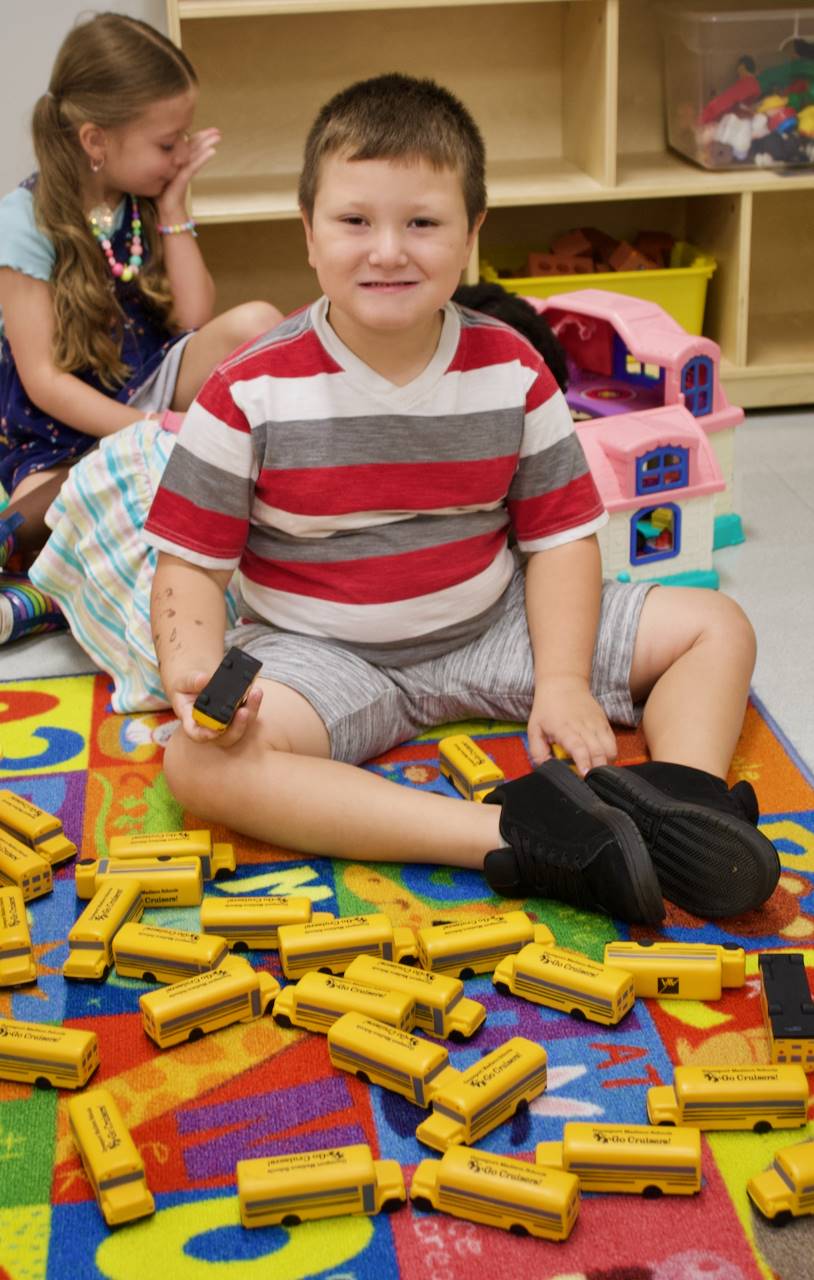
367,513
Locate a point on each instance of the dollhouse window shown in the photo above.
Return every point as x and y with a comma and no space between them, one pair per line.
697,385
665,468
655,533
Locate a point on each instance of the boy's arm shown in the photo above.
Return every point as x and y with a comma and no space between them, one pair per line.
563,590
188,617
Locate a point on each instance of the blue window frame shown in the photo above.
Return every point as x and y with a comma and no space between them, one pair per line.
655,533
630,369
665,468
697,381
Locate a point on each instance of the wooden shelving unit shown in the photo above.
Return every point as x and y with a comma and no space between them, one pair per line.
569,96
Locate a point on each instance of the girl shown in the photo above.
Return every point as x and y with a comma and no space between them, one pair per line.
105,302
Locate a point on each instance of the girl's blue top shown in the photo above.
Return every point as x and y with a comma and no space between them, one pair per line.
31,440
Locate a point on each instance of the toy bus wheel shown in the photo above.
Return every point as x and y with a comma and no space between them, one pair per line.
164,857
422,1203
503,988
282,1019
290,1220
240,945
523,1105
578,1014
195,1034
222,873
666,1124
761,1126
466,973
390,1206
148,977
325,969
363,1076
42,1082
517,1229
781,1219
457,1037
652,1193
409,960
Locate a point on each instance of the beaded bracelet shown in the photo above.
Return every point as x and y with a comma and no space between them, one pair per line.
176,228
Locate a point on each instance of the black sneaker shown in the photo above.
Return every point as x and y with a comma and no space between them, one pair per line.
710,858
564,843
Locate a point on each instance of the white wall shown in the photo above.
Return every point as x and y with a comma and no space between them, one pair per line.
32,34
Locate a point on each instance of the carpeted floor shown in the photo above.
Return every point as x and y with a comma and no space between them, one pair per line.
257,1089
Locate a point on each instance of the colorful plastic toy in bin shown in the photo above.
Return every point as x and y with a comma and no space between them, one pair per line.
680,288
739,86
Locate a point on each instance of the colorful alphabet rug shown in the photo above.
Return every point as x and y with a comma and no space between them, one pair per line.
256,1088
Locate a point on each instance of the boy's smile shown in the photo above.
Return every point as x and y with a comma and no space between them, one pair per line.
388,240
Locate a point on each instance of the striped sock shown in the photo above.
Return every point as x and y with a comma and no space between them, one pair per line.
25,610
7,526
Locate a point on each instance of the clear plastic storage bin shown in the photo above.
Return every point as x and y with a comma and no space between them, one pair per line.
739,86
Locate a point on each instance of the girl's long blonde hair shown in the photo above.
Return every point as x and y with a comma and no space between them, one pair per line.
108,71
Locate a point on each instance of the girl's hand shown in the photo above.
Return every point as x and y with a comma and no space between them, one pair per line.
184,695
172,203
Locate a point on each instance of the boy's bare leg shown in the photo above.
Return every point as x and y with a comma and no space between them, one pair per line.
693,660
278,785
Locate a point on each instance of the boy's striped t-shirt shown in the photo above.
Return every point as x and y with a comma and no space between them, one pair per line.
367,513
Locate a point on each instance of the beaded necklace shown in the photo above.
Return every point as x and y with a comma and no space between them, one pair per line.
101,224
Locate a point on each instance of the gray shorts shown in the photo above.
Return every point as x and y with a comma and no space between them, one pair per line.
367,709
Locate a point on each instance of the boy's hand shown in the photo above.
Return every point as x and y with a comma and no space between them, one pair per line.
184,695
565,711
172,201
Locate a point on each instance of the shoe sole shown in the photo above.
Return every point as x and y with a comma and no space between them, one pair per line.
648,906
707,862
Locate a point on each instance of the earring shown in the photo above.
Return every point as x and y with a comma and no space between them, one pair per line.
96,165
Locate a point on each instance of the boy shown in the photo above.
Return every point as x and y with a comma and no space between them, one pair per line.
362,464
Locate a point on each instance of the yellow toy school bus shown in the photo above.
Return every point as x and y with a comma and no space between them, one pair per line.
786,1190
154,954
787,1008
759,1098
110,1157
317,1184
679,970
45,1054
90,938
523,1198
467,947
567,980
233,992
641,1158
41,831
384,1055
16,956
441,1008
467,768
164,882
216,859
482,1097
28,871
318,999
252,923
330,946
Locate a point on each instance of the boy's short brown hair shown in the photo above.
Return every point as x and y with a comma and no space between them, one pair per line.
394,117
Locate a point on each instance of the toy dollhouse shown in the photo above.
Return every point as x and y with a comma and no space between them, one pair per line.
657,430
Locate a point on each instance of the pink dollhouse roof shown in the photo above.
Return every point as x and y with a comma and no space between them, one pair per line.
648,332
612,446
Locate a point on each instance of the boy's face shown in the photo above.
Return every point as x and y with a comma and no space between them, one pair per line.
388,240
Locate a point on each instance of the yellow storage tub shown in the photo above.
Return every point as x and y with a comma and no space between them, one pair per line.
681,288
